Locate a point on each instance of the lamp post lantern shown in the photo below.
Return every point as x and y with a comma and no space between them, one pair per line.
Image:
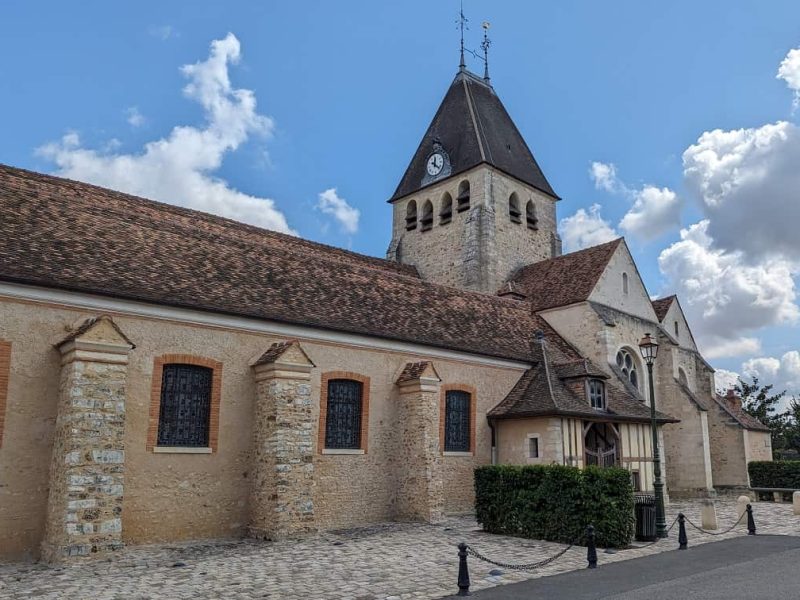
649,349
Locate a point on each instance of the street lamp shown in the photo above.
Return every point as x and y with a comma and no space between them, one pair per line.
649,349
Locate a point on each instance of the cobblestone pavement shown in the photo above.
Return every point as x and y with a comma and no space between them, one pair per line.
395,561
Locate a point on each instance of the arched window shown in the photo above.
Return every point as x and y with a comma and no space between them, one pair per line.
530,215
411,215
625,283
457,421
426,221
184,416
597,394
627,364
675,324
343,414
462,199
513,209
446,209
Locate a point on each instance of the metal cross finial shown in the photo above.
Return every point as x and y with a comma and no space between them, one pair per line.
485,46
462,22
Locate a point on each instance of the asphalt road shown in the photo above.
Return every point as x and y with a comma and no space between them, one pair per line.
747,568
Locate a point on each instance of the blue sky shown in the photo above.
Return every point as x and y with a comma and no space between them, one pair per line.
344,90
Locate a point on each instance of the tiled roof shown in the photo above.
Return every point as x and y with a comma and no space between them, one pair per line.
88,324
565,279
661,306
413,371
74,236
542,390
274,352
473,127
734,409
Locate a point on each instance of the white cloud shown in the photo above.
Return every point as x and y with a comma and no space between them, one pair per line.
604,176
725,380
180,168
747,181
331,204
584,229
163,32
789,71
134,117
724,295
655,211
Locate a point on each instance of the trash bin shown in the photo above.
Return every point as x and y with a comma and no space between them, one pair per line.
645,512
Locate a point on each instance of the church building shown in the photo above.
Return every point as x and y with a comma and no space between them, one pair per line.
167,374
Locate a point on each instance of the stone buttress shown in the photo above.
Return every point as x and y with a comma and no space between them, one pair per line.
281,503
84,514
420,490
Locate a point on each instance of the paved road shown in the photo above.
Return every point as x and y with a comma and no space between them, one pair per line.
746,568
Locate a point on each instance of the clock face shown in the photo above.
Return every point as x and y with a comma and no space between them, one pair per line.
435,164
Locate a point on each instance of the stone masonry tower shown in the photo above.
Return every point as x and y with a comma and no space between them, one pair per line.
473,204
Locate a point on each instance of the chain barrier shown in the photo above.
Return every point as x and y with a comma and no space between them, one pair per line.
647,545
731,528
521,567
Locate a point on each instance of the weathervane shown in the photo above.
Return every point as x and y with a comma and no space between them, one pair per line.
462,22
485,47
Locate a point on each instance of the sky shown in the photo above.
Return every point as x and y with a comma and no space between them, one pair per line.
673,124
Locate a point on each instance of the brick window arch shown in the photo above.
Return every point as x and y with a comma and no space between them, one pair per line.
343,412
187,389
457,418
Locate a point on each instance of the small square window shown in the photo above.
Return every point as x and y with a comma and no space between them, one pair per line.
533,447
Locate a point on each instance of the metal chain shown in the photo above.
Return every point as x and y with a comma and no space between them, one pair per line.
523,567
731,528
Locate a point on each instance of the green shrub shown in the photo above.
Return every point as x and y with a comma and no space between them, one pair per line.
555,503
775,474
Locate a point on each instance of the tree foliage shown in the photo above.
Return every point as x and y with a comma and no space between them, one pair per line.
764,404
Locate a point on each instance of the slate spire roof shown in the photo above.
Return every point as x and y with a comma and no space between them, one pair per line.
472,127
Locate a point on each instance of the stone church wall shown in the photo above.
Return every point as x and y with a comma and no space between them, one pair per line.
192,496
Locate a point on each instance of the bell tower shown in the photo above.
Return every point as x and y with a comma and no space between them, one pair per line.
473,204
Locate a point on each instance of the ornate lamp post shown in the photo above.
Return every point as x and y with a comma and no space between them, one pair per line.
649,349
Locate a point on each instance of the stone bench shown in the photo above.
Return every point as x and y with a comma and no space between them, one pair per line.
777,493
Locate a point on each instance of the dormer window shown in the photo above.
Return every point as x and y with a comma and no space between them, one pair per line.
513,209
530,215
426,221
411,216
597,394
446,210
463,196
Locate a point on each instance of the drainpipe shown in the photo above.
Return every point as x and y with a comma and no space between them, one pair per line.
493,428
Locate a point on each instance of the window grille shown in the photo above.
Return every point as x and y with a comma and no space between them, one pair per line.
185,412
343,417
457,421
597,394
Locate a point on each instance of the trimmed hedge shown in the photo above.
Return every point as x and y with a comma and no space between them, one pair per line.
555,502
775,474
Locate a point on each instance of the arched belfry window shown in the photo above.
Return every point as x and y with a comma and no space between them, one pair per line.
411,215
625,283
597,394
513,208
530,215
627,364
463,196
446,209
426,221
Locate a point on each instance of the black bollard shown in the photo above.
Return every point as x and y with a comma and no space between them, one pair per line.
463,571
751,524
591,549
682,539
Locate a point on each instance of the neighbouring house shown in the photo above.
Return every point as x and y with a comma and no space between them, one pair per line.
167,374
